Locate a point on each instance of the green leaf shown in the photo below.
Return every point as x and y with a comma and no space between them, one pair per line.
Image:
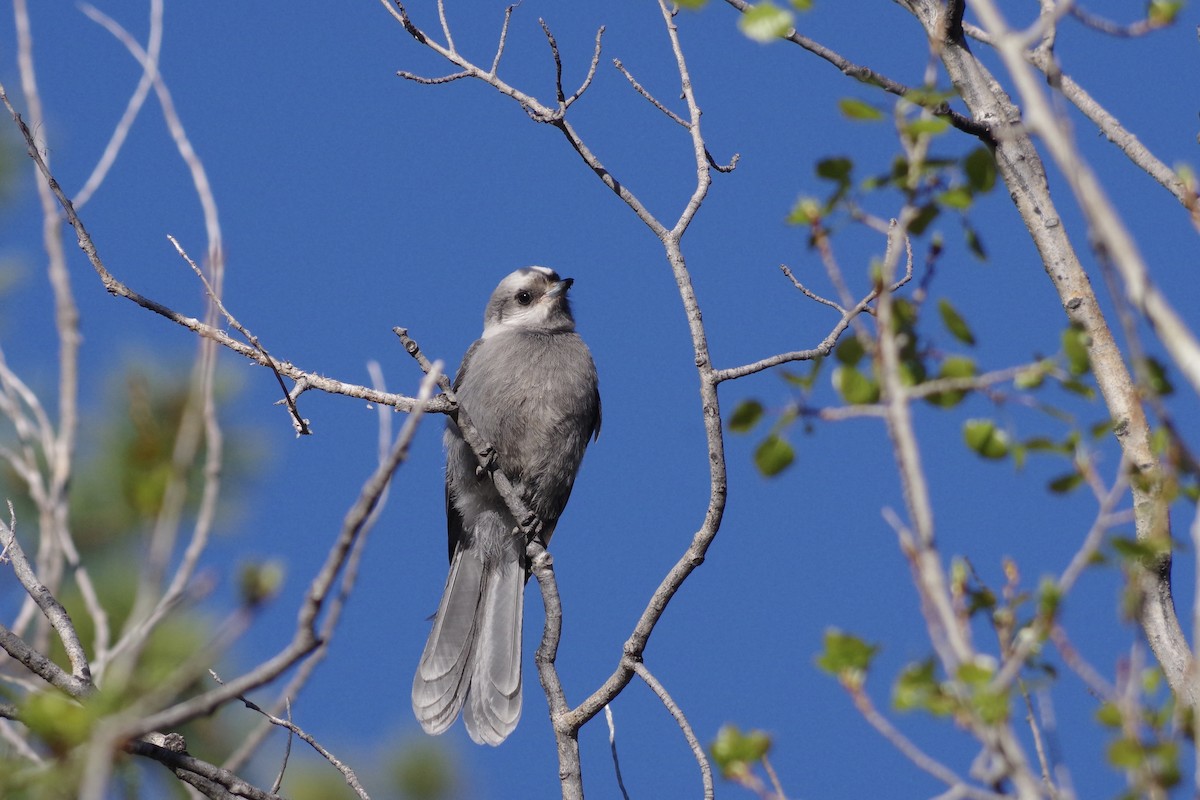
980,169
1126,754
802,5
846,655
860,110
1075,347
952,367
745,416
955,323
974,243
806,211
835,169
926,126
1109,715
774,455
855,387
736,752
927,214
258,582
959,198
1156,377
765,22
850,351
1147,550
1030,378
1163,12
916,689
1065,483
691,5
982,436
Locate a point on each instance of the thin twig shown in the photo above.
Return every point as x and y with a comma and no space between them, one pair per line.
612,746
292,728
298,422
651,98
681,720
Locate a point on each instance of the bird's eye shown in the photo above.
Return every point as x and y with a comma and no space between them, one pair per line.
524,297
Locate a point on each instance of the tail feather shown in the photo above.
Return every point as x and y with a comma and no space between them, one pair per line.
444,674
494,706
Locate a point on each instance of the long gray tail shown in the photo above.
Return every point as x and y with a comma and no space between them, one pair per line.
472,661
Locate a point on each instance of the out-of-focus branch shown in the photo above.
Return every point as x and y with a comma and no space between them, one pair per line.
338,764
1107,228
132,108
244,751
79,683
1020,166
306,636
184,765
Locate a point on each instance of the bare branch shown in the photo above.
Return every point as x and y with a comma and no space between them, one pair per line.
132,108
918,757
183,763
306,638
651,98
292,728
612,745
591,73
81,674
298,422
870,76
680,719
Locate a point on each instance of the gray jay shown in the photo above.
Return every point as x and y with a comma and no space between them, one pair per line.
529,387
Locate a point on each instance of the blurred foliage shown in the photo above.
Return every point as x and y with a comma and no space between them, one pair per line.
122,470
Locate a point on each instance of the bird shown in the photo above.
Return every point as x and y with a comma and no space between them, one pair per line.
529,387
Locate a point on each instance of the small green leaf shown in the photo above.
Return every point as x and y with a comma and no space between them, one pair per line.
835,169
927,214
736,752
1156,377
1109,715
1147,550
691,5
860,110
955,323
982,436
802,5
1065,483
765,22
774,455
1049,598
926,126
850,351
974,243
980,169
952,367
806,211
1163,12
745,416
959,198
1126,754
855,387
845,655
1075,344
916,689
258,582
1030,378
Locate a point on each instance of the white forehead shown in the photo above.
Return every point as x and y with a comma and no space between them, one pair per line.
549,273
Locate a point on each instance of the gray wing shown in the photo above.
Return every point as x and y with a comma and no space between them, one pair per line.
454,521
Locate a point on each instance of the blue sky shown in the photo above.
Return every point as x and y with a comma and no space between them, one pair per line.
353,201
